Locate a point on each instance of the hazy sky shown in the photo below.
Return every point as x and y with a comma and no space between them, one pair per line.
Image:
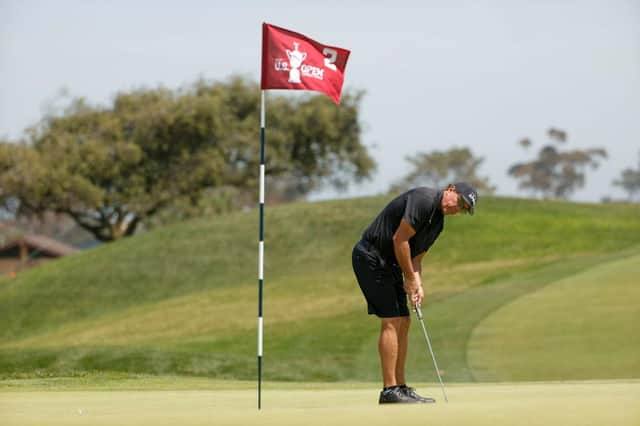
438,74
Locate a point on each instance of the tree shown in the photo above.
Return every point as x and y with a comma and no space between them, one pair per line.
555,173
439,168
160,154
630,182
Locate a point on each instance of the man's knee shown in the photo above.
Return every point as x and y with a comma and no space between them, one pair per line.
395,323
404,327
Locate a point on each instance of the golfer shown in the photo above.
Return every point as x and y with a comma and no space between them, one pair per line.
387,263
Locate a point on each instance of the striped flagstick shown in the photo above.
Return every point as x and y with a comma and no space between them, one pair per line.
261,249
328,63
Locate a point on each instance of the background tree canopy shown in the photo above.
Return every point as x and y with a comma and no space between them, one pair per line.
440,168
630,181
160,154
555,173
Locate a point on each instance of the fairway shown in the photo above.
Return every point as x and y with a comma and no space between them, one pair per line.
579,403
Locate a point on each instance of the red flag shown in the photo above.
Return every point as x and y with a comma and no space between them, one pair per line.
293,61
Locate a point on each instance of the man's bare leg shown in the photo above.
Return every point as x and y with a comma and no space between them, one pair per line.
403,346
390,331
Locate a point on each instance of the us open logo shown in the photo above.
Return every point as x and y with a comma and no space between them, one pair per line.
294,64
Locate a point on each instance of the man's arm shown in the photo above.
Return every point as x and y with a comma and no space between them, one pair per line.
417,263
417,267
402,249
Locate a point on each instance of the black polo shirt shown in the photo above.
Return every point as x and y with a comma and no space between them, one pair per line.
420,207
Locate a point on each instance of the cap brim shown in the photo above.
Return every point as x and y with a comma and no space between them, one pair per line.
471,207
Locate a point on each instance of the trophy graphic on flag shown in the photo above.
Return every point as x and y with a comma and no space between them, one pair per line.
295,60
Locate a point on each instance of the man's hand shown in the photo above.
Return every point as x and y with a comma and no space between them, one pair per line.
418,297
413,287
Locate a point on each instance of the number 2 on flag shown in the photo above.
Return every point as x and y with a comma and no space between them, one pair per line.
332,56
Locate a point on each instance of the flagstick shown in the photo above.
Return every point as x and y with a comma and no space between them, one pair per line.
261,249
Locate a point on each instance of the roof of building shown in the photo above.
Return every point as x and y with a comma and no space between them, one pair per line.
41,243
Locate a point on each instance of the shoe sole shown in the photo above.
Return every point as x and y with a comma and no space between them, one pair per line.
408,401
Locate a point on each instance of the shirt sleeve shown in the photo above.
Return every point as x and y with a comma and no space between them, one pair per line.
417,209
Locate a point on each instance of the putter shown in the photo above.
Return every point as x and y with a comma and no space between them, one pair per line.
426,336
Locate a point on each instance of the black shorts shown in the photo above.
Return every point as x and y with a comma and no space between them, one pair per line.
380,282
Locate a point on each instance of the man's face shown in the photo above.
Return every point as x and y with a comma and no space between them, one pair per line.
453,203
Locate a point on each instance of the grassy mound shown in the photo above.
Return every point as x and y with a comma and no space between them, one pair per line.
183,300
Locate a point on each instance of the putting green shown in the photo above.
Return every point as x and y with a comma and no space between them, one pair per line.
566,404
581,327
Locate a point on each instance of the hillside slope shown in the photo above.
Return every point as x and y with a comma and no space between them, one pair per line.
184,299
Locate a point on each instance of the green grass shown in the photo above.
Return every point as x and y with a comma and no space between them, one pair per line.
183,299
548,404
599,339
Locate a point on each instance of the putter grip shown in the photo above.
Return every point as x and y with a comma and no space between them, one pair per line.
418,311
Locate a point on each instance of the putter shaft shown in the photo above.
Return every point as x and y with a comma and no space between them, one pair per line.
426,336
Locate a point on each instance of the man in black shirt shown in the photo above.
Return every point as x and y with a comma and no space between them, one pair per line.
387,263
